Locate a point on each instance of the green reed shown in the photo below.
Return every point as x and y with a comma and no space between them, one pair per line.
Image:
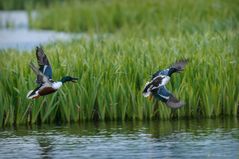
112,74
25,4
139,17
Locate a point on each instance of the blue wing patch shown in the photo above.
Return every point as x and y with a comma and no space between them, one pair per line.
162,94
46,70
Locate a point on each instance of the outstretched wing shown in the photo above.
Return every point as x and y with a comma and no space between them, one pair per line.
180,65
40,76
173,102
44,65
167,97
41,57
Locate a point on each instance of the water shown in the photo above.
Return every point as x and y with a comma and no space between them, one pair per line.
165,139
15,32
28,39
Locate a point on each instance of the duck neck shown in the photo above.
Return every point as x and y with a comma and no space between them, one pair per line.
63,80
171,71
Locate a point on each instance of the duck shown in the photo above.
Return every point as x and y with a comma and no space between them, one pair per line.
44,80
156,87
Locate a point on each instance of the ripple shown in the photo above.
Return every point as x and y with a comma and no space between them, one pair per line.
117,141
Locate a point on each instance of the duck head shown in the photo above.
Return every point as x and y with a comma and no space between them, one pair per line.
171,71
68,79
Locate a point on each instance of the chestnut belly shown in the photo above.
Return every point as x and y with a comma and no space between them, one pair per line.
46,90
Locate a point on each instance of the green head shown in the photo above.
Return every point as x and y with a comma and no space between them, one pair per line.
68,79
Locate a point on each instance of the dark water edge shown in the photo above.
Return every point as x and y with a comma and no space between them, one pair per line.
207,138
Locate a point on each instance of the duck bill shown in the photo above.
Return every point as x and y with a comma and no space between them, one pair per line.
74,80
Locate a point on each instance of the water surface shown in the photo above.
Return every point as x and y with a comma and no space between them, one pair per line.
165,139
16,34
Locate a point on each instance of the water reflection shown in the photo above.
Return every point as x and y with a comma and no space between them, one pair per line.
164,139
46,146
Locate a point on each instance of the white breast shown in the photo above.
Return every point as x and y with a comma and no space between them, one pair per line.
165,80
56,85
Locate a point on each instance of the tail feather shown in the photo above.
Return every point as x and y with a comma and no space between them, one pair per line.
32,94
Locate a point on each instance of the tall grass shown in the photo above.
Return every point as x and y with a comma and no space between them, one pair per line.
139,17
25,4
112,74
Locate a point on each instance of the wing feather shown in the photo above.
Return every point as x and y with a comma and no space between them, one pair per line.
41,57
180,65
173,102
41,78
44,65
170,100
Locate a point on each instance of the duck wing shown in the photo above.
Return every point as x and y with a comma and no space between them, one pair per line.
157,81
152,85
41,78
179,65
173,102
41,57
170,100
44,65
155,74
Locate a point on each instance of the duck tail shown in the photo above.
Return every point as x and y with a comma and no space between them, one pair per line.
32,94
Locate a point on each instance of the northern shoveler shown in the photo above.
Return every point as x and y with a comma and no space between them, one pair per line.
44,77
156,87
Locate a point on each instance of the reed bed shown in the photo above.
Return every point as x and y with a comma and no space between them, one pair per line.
139,17
25,4
112,74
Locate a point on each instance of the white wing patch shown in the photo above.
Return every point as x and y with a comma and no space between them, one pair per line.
44,69
165,97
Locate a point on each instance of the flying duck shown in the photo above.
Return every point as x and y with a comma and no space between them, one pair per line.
156,87
44,77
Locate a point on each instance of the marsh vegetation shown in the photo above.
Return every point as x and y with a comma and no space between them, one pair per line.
128,41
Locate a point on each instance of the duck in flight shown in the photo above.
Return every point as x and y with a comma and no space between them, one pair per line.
44,77
156,87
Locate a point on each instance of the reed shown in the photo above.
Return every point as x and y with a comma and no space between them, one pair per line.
112,74
139,17
25,4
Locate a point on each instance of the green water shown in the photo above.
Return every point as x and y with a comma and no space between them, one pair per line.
165,139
